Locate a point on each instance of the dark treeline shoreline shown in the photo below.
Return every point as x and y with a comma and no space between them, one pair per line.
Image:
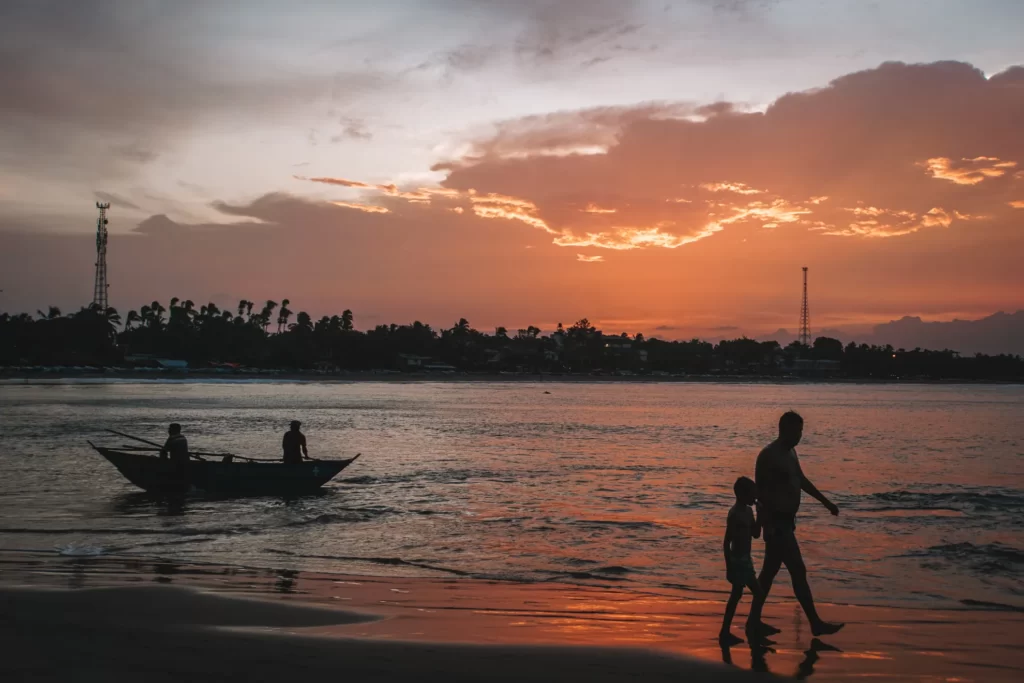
252,341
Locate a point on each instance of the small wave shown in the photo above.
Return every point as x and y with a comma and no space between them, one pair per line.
986,559
614,569
994,606
627,524
115,531
393,561
75,550
174,541
998,500
359,480
585,576
349,515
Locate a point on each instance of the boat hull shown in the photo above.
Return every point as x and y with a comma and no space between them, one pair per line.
157,475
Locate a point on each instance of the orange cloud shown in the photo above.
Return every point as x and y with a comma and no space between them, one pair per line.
343,182
1017,203
771,214
875,222
589,259
967,171
737,188
500,206
635,194
367,208
621,239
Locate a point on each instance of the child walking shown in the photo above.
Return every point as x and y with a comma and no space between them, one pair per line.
740,527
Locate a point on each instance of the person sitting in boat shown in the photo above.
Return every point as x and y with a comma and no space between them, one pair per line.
294,444
177,448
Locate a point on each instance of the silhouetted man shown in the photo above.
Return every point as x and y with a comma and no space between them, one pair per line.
294,444
779,484
176,447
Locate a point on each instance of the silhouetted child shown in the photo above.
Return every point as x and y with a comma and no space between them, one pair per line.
739,568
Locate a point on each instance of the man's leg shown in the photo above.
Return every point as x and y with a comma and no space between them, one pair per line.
794,562
769,568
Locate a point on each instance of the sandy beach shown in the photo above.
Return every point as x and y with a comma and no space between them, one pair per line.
120,618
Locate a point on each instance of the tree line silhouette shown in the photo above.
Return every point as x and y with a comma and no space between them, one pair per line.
273,336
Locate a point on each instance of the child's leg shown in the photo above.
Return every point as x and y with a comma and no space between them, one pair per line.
730,607
758,593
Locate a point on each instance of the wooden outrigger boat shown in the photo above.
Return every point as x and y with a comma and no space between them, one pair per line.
228,474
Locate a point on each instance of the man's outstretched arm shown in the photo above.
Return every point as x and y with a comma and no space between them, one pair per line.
810,490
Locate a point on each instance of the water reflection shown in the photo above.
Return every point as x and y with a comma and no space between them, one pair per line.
286,581
165,570
160,505
78,574
806,667
760,648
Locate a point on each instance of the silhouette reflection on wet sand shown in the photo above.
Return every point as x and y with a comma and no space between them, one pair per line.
760,648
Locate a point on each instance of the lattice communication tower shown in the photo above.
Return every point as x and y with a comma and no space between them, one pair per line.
99,290
805,317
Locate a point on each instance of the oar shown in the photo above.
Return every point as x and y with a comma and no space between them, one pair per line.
197,456
135,438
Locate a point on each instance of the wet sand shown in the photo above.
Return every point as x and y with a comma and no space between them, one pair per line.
175,634
119,618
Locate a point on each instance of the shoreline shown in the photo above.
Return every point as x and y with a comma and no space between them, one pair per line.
563,625
275,376
161,633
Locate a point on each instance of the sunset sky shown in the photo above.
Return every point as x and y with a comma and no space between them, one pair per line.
660,167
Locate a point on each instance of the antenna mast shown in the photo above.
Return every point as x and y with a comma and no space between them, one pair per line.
805,317
99,291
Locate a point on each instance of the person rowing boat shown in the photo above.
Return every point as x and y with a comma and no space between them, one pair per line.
176,447
294,444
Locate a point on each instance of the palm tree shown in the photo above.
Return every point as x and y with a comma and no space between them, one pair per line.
157,310
265,314
282,315
113,319
346,320
501,333
302,322
51,313
131,319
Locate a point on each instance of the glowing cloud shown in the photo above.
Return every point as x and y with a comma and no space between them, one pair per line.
502,206
593,208
343,182
1017,204
875,222
736,188
589,259
368,208
624,238
778,211
967,171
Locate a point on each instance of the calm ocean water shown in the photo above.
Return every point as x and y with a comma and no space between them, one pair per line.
623,484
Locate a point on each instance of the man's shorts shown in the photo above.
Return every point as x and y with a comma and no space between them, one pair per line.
741,571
